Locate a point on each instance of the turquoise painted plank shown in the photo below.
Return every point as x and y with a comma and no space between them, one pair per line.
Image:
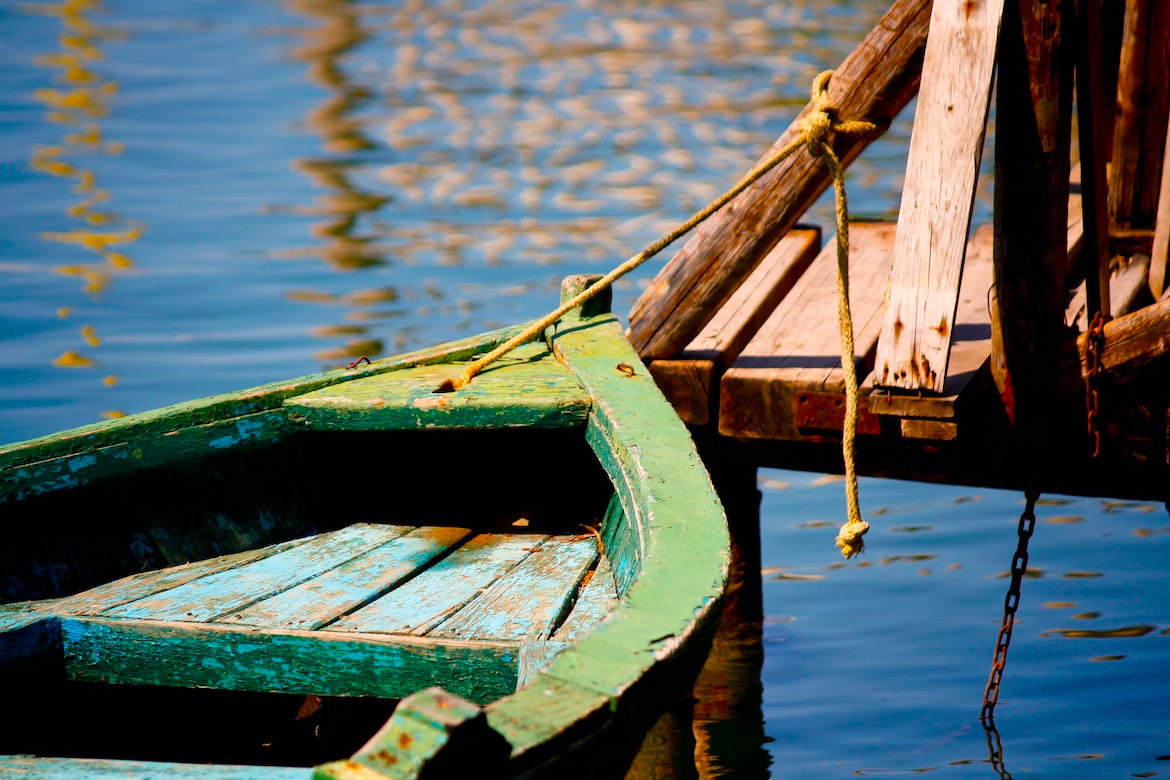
25,633
106,769
218,594
535,656
621,541
136,586
528,388
159,422
421,604
315,603
528,601
594,603
209,655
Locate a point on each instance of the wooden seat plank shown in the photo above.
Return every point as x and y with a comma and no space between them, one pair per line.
427,600
595,601
690,381
223,592
111,769
528,601
938,194
136,586
798,348
320,600
525,388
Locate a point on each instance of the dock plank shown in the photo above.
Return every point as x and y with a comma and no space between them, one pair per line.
527,602
939,193
322,599
798,348
690,381
427,600
218,594
595,601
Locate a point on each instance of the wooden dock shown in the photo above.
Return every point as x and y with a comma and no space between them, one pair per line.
972,343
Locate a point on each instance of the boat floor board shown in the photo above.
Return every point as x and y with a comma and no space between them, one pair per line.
106,769
526,388
367,610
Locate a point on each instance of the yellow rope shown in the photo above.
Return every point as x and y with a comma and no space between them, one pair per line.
817,132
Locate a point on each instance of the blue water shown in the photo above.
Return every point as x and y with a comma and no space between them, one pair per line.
203,196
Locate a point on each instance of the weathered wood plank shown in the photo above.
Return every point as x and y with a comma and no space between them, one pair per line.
938,194
1132,341
1127,286
970,340
219,408
1143,104
526,388
1032,228
874,83
136,586
25,633
111,769
427,600
528,601
798,349
223,592
594,603
1161,248
146,652
1091,107
322,599
691,382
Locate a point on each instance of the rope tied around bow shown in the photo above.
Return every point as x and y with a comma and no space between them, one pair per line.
817,131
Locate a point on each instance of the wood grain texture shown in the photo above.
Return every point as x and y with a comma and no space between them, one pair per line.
1128,285
323,599
798,349
427,600
874,83
1143,104
526,388
530,600
145,652
1161,248
223,592
110,769
594,603
1132,341
691,382
938,194
970,339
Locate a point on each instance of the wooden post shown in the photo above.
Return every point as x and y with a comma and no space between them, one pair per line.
874,82
1158,255
1033,132
1091,106
938,194
1143,103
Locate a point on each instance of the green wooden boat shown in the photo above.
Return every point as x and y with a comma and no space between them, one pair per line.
508,578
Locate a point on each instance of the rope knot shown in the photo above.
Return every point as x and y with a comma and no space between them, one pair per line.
849,538
821,126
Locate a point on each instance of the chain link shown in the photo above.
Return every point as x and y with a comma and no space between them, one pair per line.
1094,343
1010,604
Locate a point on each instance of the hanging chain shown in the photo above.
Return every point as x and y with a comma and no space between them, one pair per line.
995,750
1010,604
1094,343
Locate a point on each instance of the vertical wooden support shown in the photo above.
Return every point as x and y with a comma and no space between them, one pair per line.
1033,132
874,83
1161,248
1091,106
1143,103
938,194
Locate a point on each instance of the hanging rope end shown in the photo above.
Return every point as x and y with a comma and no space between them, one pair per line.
849,538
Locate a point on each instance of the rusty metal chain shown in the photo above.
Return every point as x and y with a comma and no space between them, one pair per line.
1010,604
1094,343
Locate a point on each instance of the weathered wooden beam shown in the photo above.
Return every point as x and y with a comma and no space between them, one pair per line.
1091,106
1143,103
1132,341
938,194
1161,246
874,82
1033,131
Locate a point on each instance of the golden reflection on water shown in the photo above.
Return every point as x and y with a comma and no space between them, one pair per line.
78,100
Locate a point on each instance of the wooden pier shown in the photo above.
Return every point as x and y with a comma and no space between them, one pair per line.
973,343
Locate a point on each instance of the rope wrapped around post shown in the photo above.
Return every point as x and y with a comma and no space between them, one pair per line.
817,133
